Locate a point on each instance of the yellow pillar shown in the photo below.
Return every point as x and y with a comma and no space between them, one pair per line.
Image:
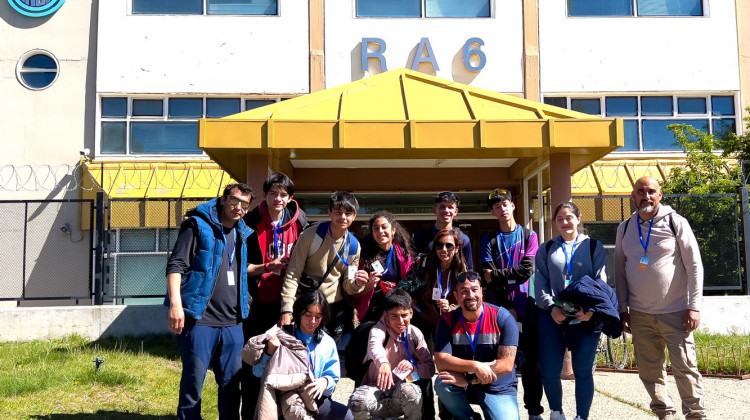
257,172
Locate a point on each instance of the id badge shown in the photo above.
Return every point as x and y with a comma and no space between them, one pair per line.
352,272
511,282
414,377
230,277
377,268
567,279
436,294
520,327
643,264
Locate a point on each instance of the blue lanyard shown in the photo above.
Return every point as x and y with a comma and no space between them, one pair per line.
440,283
640,234
569,262
405,342
230,255
346,246
509,252
277,235
473,343
390,256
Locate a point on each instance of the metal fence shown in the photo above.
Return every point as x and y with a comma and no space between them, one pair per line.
714,218
47,250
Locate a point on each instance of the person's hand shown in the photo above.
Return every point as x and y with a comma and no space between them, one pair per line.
385,377
315,388
405,366
625,318
373,279
558,315
361,278
453,378
443,305
286,319
488,275
690,320
272,345
484,373
176,318
274,265
584,317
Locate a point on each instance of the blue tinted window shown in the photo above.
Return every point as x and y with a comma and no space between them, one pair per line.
656,105
389,8
164,138
589,106
113,138
670,7
38,71
722,105
114,107
40,61
220,107
656,136
622,106
691,105
457,8
723,127
133,240
631,136
242,7
257,103
186,107
148,107
600,7
558,102
168,7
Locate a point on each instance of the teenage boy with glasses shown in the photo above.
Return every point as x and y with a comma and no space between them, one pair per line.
475,350
445,210
507,258
208,298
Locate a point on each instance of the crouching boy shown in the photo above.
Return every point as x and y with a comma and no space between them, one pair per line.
397,357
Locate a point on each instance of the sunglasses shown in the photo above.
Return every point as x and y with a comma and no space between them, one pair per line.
446,196
233,201
467,275
447,245
570,309
498,193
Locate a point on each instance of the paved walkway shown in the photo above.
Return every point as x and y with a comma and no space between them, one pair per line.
622,396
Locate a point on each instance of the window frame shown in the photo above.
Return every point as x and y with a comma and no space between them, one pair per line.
204,11
635,12
423,13
129,118
674,118
21,70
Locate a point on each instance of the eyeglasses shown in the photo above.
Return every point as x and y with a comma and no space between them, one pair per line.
233,201
467,276
499,193
447,245
446,196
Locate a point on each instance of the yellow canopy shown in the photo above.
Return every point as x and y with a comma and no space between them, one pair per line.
402,115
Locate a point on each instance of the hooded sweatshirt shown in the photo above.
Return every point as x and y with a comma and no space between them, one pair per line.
673,279
261,248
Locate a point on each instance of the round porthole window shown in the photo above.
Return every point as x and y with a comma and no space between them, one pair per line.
36,8
37,69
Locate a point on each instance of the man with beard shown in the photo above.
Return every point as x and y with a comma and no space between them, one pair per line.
659,284
475,350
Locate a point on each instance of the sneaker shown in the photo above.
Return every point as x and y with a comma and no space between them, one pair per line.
579,418
556,415
535,417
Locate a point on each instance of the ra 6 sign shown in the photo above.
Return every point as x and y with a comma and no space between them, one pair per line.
374,48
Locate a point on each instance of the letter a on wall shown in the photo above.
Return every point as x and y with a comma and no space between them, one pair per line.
424,44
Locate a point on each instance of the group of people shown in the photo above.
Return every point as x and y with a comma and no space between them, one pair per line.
269,303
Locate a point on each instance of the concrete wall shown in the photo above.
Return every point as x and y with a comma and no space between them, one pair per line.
202,54
502,34
721,315
643,54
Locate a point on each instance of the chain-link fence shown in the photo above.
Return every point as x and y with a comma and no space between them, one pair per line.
714,218
47,250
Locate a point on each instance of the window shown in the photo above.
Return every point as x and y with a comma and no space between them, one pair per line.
161,126
646,118
428,8
208,7
635,7
37,69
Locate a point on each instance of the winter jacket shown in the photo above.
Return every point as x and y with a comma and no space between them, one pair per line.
261,249
198,281
595,296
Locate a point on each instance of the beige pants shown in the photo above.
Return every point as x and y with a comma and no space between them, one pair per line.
651,334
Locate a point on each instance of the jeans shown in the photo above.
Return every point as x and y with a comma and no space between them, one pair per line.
220,349
494,406
552,345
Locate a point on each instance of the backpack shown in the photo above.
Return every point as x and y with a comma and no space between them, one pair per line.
671,225
356,351
320,233
496,251
592,246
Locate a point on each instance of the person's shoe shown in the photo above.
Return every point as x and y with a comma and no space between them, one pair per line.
556,415
535,417
579,418
668,416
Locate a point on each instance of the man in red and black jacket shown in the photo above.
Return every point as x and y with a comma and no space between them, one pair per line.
277,222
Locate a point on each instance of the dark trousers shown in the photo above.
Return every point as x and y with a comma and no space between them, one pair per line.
531,374
262,317
218,348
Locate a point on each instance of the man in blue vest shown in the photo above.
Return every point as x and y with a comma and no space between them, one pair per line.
207,296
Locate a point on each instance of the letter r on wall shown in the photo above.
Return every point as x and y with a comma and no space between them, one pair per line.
376,54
